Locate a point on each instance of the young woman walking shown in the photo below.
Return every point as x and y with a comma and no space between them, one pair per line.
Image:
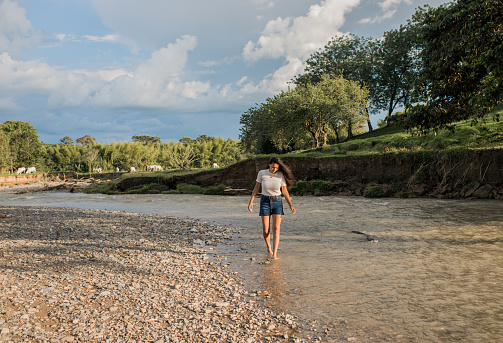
274,181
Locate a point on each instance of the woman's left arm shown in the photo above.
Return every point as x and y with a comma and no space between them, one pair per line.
284,190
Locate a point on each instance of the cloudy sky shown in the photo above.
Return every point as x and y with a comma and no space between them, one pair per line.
118,68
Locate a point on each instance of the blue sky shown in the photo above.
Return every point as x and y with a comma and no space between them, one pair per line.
118,68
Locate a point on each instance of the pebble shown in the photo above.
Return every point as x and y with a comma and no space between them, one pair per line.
79,275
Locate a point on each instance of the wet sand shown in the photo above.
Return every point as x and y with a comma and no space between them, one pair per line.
73,275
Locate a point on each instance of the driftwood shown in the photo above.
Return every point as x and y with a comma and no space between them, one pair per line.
369,238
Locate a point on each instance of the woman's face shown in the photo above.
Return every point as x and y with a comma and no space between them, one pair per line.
273,168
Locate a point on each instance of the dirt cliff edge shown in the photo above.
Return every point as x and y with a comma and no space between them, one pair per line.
464,174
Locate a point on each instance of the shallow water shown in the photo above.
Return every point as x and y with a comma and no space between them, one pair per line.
435,273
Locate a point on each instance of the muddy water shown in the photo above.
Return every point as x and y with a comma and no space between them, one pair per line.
433,273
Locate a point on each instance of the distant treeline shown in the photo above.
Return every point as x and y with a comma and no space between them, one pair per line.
20,147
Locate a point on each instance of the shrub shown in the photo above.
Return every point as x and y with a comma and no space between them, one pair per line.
216,190
171,191
299,188
185,188
143,189
373,192
317,185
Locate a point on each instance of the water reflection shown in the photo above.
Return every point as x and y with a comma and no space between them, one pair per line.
274,285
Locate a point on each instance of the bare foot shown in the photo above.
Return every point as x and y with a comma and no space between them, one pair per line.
275,257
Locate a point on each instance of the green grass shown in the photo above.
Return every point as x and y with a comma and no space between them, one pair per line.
374,192
184,188
318,185
143,189
108,188
486,134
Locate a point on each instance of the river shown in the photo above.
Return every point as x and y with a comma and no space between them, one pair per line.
433,272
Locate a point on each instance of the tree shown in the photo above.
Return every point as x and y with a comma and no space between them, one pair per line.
314,109
275,126
5,154
186,140
462,49
66,140
397,67
204,138
146,139
257,128
90,156
86,140
287,121
182,156
354,57
23,141
332,102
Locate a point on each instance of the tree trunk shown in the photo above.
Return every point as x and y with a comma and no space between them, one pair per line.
369,125
350,131
315,139
368,120
390,108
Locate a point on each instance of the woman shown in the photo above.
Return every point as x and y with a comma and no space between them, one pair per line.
274,181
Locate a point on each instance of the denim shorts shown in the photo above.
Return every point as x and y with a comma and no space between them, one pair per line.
271,206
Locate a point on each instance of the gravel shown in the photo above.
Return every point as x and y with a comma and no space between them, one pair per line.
74,275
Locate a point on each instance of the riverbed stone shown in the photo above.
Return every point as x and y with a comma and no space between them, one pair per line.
105,276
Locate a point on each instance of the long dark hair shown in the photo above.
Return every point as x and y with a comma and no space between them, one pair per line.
287,173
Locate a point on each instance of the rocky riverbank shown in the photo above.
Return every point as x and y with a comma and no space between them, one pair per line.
60,182
73,275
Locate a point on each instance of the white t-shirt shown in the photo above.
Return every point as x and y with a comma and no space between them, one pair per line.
271,183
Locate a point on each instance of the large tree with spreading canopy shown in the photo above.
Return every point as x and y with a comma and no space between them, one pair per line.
462,54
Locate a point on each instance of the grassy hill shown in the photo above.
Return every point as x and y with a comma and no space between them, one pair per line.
487,134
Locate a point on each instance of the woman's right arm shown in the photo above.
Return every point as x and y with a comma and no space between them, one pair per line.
254,194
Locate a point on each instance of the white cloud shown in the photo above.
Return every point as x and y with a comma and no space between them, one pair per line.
194,89
163,79
111,74
386,5
16,32
272,83
299,37
105,39
378,19
156,82
389,7
63,88
30,76
225,60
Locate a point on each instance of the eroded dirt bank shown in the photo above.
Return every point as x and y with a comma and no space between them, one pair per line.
467,174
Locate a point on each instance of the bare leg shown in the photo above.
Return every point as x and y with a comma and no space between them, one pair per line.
276,226
266,231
